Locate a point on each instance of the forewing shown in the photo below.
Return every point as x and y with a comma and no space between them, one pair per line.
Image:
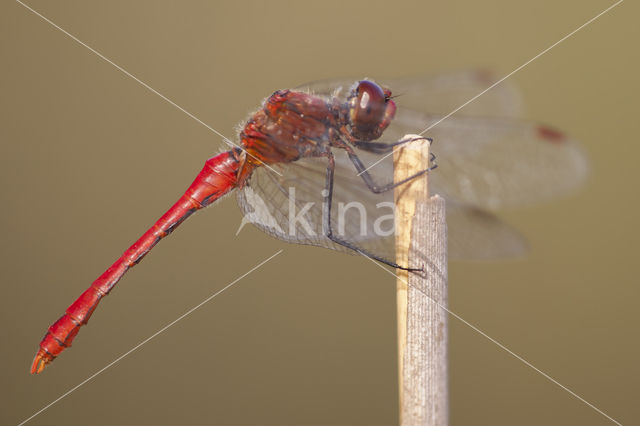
497,163
484,159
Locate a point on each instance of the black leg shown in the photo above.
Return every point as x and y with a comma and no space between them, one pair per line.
326,222
384,147
368,180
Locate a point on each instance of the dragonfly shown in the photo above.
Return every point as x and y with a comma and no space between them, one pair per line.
313,166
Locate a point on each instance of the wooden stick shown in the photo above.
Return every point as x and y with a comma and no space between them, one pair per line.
426,399
422,331
408,159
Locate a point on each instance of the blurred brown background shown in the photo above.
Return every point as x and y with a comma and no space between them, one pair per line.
90,159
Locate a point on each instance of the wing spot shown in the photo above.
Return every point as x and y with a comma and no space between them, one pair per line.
550,135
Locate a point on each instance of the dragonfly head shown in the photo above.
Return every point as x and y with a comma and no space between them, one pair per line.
370,110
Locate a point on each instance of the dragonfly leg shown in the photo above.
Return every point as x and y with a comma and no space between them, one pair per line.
368,180
326,222
384,147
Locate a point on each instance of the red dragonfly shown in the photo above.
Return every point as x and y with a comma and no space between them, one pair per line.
302,174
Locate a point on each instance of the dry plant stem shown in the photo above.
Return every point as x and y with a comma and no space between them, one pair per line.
408,159
425,387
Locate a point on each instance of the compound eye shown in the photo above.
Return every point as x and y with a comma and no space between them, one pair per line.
367,108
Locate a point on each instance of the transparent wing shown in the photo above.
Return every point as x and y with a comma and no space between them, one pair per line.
495,163
475,234
486,157
289,207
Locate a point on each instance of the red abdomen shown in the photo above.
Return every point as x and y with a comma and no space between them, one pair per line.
217,178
